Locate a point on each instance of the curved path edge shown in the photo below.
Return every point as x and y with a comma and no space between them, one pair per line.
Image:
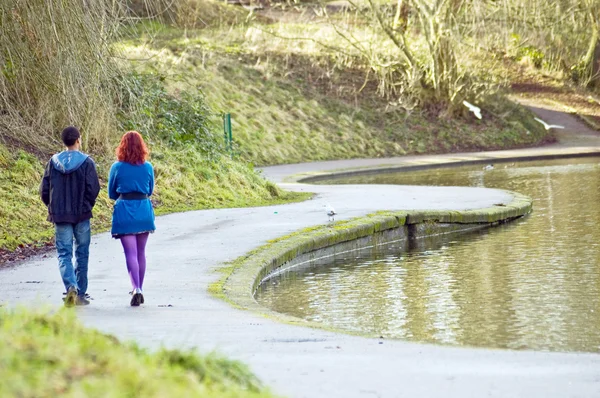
319,171
241,280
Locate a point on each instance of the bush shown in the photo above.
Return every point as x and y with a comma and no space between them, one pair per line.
177,120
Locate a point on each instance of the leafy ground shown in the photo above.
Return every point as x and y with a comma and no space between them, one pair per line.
49,355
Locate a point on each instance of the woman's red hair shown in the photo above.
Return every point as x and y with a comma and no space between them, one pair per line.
132,148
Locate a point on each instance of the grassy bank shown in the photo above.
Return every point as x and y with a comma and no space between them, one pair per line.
184,181
46,355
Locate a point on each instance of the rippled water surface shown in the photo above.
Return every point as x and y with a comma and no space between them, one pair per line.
529,284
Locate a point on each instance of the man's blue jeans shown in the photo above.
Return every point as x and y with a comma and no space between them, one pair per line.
65,233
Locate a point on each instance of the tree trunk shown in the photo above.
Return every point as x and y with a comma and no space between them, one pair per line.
592,58
594,64
401,17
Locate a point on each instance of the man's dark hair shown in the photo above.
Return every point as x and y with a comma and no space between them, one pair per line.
69,135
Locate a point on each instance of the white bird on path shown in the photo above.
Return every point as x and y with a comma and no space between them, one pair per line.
549,126
330,212
476,111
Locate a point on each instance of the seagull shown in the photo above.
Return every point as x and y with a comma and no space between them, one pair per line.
549,126
330,212
489,167
476,111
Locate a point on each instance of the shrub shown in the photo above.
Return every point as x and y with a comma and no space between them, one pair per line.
178,120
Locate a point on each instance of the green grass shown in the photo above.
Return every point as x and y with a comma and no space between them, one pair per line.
50,355
22,213
184,181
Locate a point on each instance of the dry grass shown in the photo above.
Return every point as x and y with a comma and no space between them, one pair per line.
57,70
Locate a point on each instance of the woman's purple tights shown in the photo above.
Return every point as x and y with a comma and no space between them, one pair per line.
135,255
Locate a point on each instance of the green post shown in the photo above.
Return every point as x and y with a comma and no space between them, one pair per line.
227,131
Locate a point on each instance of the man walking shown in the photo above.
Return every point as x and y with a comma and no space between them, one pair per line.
69,189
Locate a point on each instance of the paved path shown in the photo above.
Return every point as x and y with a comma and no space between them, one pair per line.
296,361
576,138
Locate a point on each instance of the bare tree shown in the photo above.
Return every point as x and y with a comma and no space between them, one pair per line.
591,60
430,77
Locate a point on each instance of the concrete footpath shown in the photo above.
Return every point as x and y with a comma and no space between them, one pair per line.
295,361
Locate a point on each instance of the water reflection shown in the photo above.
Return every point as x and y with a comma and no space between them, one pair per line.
531,284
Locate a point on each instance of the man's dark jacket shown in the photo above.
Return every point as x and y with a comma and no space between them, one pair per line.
70,187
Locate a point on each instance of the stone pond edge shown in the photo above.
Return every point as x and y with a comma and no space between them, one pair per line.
241,278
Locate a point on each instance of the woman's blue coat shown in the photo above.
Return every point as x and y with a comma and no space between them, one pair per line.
131,216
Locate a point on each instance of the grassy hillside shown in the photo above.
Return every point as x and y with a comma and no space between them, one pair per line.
47,355
185,180
291,106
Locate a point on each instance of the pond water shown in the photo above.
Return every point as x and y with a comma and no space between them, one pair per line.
530,284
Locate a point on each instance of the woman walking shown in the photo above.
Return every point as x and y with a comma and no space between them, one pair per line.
130,183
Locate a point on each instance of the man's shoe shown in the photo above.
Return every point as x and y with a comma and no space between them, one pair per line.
71,296
81,300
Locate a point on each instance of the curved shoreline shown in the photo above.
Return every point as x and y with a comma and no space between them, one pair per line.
238,286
